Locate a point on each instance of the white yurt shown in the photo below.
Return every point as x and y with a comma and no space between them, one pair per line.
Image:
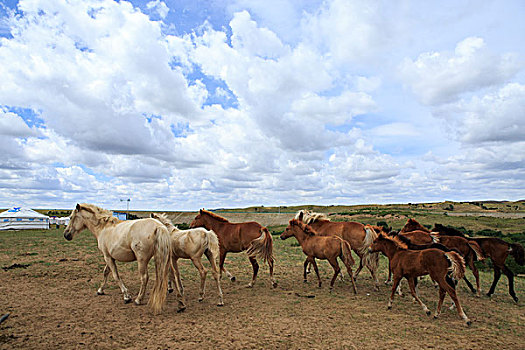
18,218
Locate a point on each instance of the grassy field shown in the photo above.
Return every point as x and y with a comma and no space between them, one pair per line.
53,303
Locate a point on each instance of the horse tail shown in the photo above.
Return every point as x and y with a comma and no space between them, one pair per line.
213,248
517,252
477,250
346,252
262,247
371,260
457,265
162,266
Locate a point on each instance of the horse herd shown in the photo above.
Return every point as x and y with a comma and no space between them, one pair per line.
412,252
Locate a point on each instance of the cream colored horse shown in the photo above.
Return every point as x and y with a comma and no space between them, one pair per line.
192,244
127,241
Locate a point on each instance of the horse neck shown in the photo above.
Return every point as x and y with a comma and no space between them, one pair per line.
93,226
213,224
301,236
390,249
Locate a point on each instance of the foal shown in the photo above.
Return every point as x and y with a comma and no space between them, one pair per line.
192,244
412,264
321,247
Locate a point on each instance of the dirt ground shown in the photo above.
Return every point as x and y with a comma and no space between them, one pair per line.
53,305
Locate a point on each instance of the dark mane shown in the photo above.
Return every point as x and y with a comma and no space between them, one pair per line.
398,242
404,239
213,215
447,231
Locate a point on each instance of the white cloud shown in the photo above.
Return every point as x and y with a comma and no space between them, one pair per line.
442,77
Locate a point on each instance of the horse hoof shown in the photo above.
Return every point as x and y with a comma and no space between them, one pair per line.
170,290
274,284
428,312
515,299
305,281
127,301
389,307
435,317
137,302
220,304
232,278
100,292
181,309
201,299
469,323
249,285
489,295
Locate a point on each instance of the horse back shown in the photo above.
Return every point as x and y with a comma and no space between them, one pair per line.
352,232
236,237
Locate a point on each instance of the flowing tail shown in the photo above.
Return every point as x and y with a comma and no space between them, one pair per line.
371,260
262,247
213,248
457,265
162,266
346,253
477,250
516,250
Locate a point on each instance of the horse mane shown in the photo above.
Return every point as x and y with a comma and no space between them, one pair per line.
213,215
307,229
448,231
397,241
101,215
163,218
404,239
311,217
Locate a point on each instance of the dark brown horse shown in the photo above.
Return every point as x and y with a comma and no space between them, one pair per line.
411,264
237,237
413,225
321,247
359,237
497,250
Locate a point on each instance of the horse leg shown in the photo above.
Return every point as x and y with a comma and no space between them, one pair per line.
143,272
171,280
255,267
397,279
389,279
178,284
470,286
306,265
312,260
111,263
476,276
349,270
215,273
107,270
442,294
222,257
374,277
202,271
452,292
497,275
337,269
510,277
412,286
272,280
359,268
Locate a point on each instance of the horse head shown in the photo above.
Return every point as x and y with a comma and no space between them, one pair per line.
198,221
76,224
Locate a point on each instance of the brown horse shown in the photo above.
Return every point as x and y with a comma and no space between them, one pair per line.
321,247
470,251
238,237
359,237
411,264
497,250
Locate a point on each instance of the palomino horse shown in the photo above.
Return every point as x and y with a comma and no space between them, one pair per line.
321,247
359,237
237,237
497,250
192,244
414,263
127,241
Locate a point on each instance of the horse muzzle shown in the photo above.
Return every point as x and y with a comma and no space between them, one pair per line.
68,236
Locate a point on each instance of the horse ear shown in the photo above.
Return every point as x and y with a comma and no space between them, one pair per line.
200,211
77,207
300,217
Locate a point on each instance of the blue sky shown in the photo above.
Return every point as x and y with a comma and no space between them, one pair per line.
180,105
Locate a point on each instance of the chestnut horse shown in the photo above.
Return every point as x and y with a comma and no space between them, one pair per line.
470,251
192,244
321,247
497,250
359,237
411,264
127,241
237,237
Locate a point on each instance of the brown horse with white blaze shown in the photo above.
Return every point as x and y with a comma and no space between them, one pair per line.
237,237
411,264
321,247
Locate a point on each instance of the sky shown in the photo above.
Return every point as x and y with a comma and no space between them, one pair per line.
181,105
